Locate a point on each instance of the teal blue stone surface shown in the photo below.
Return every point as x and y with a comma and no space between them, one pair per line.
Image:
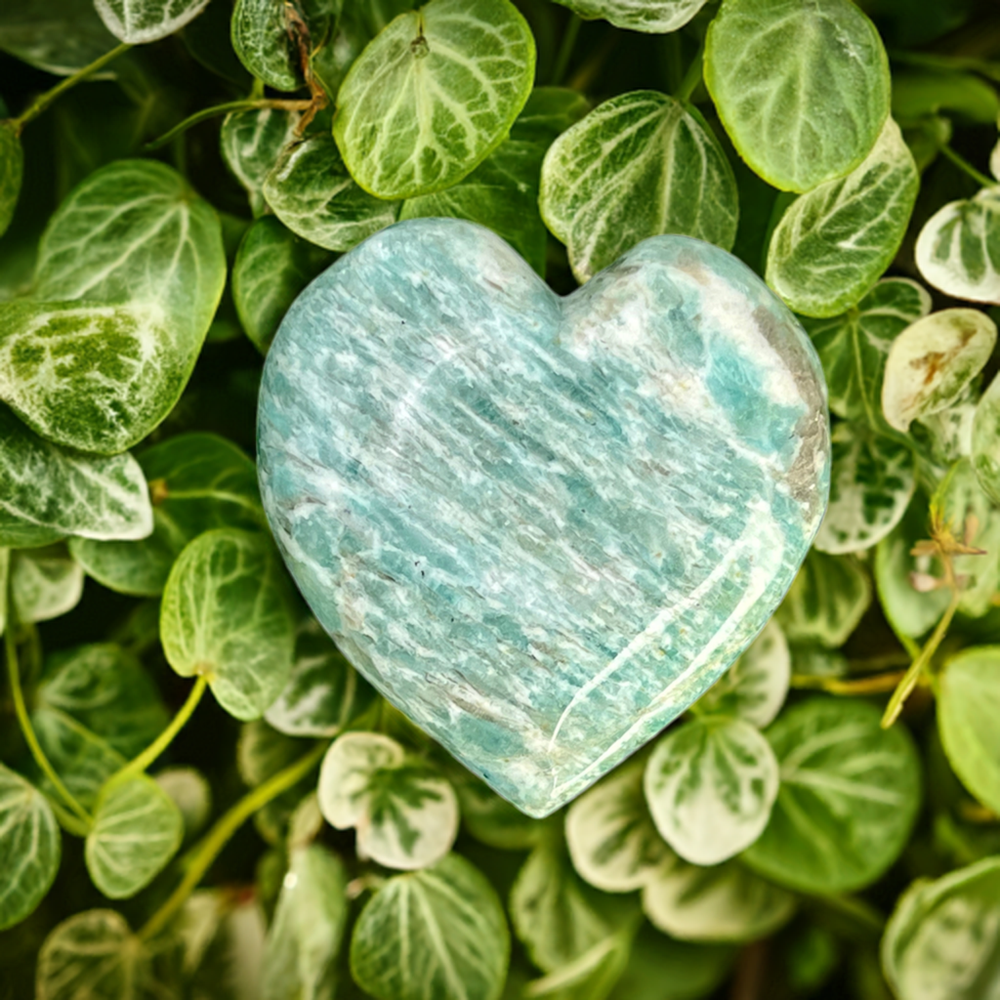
541,526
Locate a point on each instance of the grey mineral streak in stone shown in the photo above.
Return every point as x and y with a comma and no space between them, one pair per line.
541,526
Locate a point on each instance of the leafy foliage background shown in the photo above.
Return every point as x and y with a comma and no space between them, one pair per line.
198,795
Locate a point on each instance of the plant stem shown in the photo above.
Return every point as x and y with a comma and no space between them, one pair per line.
44,100
912,675
25,723
146,758
566,49
67,820
963,164
247,104
216,838
691,78
875,684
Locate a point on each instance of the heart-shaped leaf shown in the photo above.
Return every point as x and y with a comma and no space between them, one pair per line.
610,834
654,16
710,785
436,932
140,21
932,361
11,172
638,165
45,583
251,142
802,88
834,243
433,95
262,38
30,847
405,812
943,940
226,615
958,250
848,798
47,492
871,484
137,830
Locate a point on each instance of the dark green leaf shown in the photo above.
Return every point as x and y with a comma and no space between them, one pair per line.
11,172
58,36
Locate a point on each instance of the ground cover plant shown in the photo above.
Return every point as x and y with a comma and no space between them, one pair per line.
825,822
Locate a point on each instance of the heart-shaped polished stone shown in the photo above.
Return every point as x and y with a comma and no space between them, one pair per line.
542,527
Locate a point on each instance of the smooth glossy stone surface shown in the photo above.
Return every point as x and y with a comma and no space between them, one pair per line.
541,526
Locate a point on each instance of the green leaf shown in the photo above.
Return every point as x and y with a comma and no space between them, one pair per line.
226,615
986,441
439,932
30,847
551,912
45,583
57,36
834,243
802,88
47,493
101,355
710,784
849,795
638,165
11,172
137,830
932,361
943,940
755,687
311,192
198,482
95,955
190,791
140,21
610,834
919,94
324,692
491,819
548,113
433,95
871,484
853,347
251,142
305,935
722,903
262,38
272,266
958,250
968,699
590,976
826,601
657,17
404,811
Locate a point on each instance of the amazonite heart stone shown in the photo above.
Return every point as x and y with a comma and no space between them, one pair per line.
542,527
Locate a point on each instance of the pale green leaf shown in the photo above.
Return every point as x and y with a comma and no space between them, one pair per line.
262,38
251,142
439,932
958,250
47,492
710,784
639,165
943,940
932,361
590,976
433,95
272,266
834,243
801,87
198,482
137,830
656,17
986,441
324,692
226,615
45,583
849,795
140,21
30,847
826,601
722,903
756,685
551,912
57,36
311,192
968,701
871,484
404,811
11,172
610,834
190,791
305,935
853,346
